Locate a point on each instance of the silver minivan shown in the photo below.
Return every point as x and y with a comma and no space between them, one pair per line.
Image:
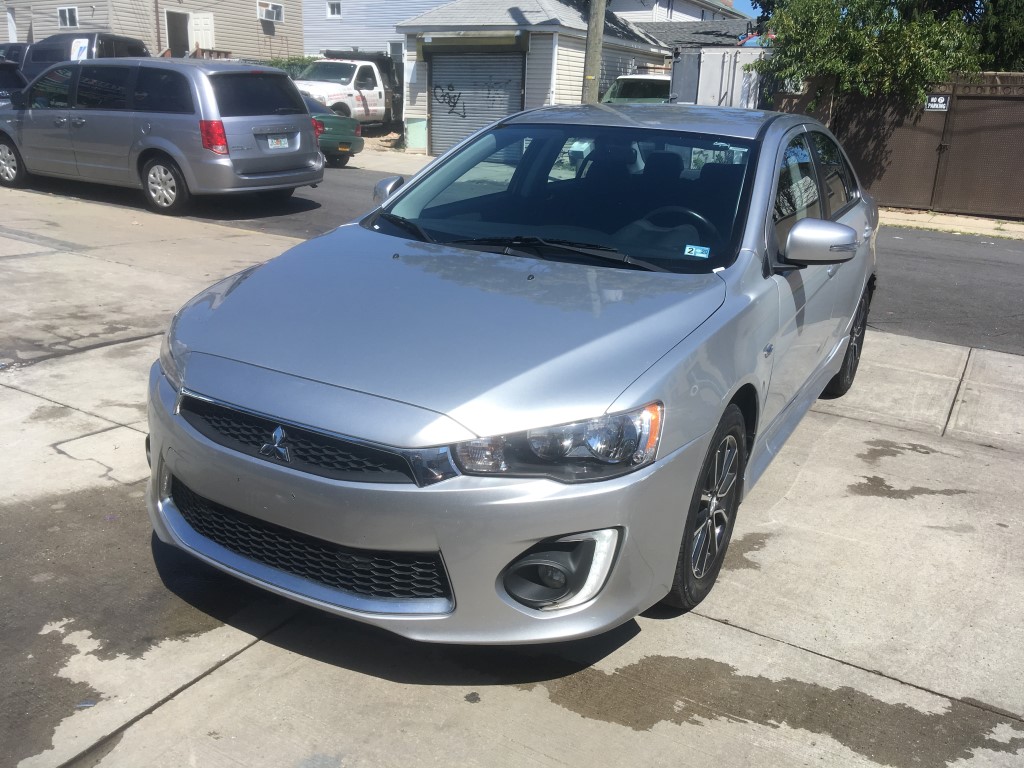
172,127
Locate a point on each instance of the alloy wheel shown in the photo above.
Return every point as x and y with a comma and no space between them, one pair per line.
712,521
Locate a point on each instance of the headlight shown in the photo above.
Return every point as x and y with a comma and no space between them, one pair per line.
596,449
172,357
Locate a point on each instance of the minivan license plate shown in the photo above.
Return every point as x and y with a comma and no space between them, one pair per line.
277,142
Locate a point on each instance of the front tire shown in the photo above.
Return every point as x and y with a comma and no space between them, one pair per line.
712,513
12,167
840,384
164,187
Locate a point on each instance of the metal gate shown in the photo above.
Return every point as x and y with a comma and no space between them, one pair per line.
469,91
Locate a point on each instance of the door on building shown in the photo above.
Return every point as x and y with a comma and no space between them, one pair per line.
177,33
469,91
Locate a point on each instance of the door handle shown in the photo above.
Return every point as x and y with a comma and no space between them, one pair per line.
832,269
78,122
867,231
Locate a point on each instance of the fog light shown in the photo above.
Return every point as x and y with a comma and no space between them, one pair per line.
561,573
552,577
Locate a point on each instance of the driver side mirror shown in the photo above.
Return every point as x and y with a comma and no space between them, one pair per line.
384,188
816,241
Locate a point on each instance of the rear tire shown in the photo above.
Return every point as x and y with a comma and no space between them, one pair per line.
712,513
12,167
337,161
164,187
840,384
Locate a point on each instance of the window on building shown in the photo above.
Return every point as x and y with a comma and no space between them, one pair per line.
334,10
67,17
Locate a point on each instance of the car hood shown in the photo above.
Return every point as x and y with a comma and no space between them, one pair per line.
319,86
496,343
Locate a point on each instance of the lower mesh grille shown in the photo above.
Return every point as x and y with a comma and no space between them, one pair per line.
367,573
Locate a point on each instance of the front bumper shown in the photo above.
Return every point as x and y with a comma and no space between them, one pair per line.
477,526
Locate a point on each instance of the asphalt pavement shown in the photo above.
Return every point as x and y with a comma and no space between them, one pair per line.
868,614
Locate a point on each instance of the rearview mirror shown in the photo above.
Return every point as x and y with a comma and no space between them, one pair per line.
816,241
386,187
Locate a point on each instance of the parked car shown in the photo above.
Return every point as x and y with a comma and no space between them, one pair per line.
352,88
11,79
520,401
75,46
340,137
638,89
173,128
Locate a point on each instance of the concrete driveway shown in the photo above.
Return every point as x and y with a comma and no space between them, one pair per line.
869,613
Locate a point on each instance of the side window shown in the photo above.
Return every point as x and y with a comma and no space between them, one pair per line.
366,80
797,196
838,181
162,90
52,90
103,88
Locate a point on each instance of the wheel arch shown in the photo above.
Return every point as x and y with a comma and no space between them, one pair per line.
746,399
148,153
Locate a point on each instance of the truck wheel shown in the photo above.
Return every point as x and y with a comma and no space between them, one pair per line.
342,109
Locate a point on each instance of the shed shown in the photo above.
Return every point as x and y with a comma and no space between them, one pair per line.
471,62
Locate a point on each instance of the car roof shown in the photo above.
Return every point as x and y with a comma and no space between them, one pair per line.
210,66
723,121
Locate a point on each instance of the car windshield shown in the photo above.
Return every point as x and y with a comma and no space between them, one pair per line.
663,199
331,71
638,89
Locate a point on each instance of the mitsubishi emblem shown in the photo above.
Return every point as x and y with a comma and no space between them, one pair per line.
277,449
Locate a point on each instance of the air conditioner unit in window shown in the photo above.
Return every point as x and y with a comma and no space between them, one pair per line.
268,14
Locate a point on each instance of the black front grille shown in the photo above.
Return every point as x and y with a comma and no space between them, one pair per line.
307,451
406,575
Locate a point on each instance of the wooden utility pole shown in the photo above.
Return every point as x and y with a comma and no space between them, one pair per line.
592,60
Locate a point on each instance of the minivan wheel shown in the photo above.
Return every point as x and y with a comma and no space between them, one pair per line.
12,169
164,186
712,513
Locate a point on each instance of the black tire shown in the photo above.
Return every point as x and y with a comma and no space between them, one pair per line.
712,513
840,384
342,109
12,167
164,187
337,161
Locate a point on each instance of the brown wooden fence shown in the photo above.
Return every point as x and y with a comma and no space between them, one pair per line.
967,158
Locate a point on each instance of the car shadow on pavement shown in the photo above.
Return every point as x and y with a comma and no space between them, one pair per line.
368,650
218,208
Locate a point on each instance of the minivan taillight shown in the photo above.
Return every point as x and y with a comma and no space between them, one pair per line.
318,127
214,137
359,129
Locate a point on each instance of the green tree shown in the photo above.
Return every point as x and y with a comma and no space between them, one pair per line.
1002,35
874,47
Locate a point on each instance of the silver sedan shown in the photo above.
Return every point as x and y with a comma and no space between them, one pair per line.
521,400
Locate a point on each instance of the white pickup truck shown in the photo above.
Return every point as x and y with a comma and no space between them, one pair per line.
349,87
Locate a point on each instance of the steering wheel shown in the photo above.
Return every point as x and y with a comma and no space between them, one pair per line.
708,231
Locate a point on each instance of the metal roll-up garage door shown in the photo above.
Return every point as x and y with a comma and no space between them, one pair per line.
469,91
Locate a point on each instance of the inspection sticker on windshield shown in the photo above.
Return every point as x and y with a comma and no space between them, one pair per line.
697,251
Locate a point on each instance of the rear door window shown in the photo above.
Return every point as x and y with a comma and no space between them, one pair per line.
162,90
246,94
103,87
839,187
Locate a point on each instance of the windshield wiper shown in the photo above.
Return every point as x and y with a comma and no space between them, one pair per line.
590,250
407,224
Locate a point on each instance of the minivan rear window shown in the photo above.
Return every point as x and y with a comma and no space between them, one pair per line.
162,90
256,93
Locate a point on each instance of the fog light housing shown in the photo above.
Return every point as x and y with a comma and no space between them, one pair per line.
562,573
